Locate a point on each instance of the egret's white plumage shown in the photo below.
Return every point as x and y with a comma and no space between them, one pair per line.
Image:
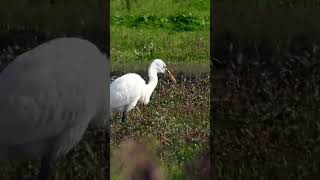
48,96
129,89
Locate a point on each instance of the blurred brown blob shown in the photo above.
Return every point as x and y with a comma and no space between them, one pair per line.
138,162
199,168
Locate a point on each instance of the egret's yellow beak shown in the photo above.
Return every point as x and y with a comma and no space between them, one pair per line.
171,76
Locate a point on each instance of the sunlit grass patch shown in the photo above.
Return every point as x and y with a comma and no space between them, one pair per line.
141,46
177,119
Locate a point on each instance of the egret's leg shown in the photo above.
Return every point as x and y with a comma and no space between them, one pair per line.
46,170
90,151
20,170
129,108
124,116
139,110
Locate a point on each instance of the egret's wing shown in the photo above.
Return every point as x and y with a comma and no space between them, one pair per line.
45,91
30,108
125,89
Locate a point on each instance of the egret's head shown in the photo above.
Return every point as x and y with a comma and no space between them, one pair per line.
161,67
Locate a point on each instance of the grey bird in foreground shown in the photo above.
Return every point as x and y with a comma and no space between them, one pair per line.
48,97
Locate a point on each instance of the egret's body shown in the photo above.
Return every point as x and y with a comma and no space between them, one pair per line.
129,89
124,97
48,96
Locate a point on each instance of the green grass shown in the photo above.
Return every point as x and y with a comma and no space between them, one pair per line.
143,46
165,7
172,30
176,120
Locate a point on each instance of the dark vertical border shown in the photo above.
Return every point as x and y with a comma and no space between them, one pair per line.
212,18
26,30
273,36
108,84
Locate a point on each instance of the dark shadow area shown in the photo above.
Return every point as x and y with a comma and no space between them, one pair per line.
25,24
265,92
29,23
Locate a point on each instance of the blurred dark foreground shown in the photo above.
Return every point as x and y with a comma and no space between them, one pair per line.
265,98
139,163
27,24
265,107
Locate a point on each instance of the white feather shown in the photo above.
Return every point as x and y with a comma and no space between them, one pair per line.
129,89
48,96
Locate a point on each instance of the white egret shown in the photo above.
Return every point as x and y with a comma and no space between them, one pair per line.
127,90
48,96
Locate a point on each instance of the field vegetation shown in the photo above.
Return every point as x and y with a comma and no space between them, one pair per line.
172,30
265,76
175,124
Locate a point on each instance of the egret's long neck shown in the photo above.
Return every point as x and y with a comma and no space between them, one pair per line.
153,79
149,88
